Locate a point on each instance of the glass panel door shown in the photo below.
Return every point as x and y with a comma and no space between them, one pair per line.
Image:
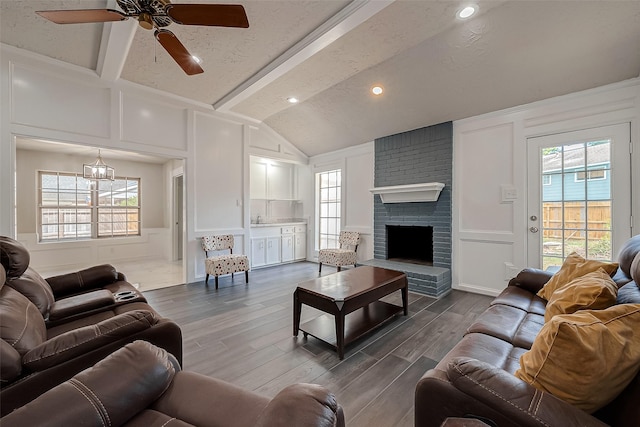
573,203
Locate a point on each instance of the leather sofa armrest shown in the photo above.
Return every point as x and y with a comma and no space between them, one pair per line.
109,393
10,362
83,280
81,303
302,405
531,279
79,341
514,398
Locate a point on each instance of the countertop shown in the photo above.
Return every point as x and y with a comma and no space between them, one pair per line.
278,224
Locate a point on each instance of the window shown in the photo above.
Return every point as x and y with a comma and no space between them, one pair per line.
74,208
328,215
546,179
592,175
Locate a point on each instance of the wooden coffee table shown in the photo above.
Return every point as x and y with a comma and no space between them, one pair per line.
355,292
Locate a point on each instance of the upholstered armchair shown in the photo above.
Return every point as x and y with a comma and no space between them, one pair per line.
343,255
219,265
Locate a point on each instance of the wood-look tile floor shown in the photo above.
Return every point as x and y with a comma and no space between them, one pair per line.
244,334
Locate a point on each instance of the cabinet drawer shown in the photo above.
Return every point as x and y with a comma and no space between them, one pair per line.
287,230
300,228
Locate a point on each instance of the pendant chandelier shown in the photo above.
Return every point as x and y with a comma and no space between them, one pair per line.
98,170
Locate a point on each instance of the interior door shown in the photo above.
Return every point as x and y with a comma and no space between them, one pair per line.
579,194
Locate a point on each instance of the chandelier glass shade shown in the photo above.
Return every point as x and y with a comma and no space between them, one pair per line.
98,170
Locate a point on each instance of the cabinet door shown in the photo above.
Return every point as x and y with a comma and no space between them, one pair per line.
300,246
287,248
258,252
273,250
279,182
258,180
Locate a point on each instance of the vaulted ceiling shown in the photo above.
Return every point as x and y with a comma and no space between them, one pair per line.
433,66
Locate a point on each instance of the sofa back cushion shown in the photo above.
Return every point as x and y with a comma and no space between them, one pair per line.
35,288
628,253
109,393
83,280
14,257
586,358
21,324
594,291
573,267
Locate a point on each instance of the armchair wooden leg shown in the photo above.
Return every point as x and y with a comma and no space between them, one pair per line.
320,269
206,280
339,268
246,276
216,282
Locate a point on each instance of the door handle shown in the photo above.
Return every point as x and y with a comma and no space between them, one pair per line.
533,229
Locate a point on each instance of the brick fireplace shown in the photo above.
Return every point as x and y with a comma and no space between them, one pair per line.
419,156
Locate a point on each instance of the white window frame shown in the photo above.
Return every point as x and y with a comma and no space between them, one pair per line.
95,214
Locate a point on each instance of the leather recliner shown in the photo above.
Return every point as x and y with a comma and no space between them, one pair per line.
36,354
142,385
68,296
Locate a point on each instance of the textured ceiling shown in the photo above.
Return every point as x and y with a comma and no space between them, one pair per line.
433,67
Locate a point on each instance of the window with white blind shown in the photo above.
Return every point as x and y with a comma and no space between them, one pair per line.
328,216
74,208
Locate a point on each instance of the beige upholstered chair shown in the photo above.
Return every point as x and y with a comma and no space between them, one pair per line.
345,254
223,264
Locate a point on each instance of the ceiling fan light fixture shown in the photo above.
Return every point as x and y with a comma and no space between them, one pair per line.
98,170
467,11
196,59
377,90
145,21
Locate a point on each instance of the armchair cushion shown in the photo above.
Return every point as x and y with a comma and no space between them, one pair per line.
80,281
573,267
586,358
83,340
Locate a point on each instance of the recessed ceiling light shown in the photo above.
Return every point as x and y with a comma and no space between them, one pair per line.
292,100
467,12
376,90
196,59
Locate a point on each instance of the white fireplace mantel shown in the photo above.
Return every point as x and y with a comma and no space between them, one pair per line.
427,192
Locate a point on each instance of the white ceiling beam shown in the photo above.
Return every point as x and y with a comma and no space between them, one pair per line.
354,14
114,46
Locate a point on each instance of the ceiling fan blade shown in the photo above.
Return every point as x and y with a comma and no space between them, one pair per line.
178,52
218,15
81,16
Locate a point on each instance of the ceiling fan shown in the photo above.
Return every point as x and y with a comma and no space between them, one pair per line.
159,14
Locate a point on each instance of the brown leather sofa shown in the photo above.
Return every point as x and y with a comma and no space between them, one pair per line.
142,385
475,379
36,354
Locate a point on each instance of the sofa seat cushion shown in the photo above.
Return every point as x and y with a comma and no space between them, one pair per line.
586,358
487,349
509,324
523,299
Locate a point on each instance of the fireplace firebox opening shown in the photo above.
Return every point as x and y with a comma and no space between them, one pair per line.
412,244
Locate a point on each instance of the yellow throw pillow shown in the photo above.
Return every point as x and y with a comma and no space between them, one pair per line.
586,358
574,266
595,291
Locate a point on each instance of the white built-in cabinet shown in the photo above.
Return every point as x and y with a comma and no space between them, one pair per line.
271,180
278,244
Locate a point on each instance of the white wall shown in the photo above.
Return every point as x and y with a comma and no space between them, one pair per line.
357,164
489,237
47,99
